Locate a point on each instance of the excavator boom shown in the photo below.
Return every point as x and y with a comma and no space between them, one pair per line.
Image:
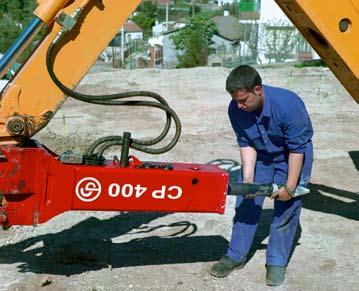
31,99
332,29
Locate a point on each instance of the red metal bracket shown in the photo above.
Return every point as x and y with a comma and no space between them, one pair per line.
37,186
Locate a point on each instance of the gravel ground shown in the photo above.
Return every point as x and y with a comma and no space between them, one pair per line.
159,251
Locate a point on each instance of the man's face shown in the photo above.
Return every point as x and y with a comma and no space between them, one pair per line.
249,100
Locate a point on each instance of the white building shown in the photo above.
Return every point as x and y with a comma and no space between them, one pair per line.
226,41
271,13
163,53
132,31
160,28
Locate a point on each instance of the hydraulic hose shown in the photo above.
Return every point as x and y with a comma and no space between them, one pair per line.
100,145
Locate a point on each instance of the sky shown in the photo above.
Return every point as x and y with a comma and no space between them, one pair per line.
270,10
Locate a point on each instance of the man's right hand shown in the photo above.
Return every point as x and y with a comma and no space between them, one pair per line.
250,196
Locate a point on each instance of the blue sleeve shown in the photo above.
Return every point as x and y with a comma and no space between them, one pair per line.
297,127
241,136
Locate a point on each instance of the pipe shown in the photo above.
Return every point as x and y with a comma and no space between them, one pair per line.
126,143
19,45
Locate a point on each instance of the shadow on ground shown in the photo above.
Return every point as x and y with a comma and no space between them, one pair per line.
341,202
88,246
354,155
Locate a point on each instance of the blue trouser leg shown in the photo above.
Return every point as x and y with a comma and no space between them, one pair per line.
248,212
282,231
286,214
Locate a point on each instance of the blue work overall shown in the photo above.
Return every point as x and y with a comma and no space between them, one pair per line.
265,133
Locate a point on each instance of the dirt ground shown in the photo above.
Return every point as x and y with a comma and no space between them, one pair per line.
159,251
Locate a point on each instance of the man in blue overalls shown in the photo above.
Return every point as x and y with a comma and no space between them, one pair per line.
274,133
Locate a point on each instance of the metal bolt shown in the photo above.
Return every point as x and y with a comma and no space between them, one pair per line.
16,126
344,24
3,217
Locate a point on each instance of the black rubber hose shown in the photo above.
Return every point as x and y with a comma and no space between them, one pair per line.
115,100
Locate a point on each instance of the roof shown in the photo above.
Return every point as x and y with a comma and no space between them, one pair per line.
131,26
167,32
228,27
163,2
160,2
172,25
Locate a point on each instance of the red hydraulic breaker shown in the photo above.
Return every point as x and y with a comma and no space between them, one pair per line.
36,186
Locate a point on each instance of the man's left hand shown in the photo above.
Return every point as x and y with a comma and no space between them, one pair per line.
281,194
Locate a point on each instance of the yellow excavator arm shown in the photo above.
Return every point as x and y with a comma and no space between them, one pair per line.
332,29
31,98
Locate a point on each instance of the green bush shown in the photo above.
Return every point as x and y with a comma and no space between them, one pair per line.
310,63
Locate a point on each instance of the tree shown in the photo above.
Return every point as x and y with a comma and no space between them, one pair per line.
193,41
14,16
145,16
233,9
280,41
194,9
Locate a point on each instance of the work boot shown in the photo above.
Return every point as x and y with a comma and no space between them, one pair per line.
225,266
275,275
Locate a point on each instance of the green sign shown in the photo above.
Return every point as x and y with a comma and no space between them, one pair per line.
247,6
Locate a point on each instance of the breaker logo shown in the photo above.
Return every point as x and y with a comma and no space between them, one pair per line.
88,189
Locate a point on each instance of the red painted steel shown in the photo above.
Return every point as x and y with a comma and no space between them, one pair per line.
35,186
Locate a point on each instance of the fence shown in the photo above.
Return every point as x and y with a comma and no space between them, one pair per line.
267,44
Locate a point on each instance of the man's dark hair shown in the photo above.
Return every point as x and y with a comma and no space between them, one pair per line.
243,78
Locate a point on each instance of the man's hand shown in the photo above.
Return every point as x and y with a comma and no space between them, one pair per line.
250,196
281,194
